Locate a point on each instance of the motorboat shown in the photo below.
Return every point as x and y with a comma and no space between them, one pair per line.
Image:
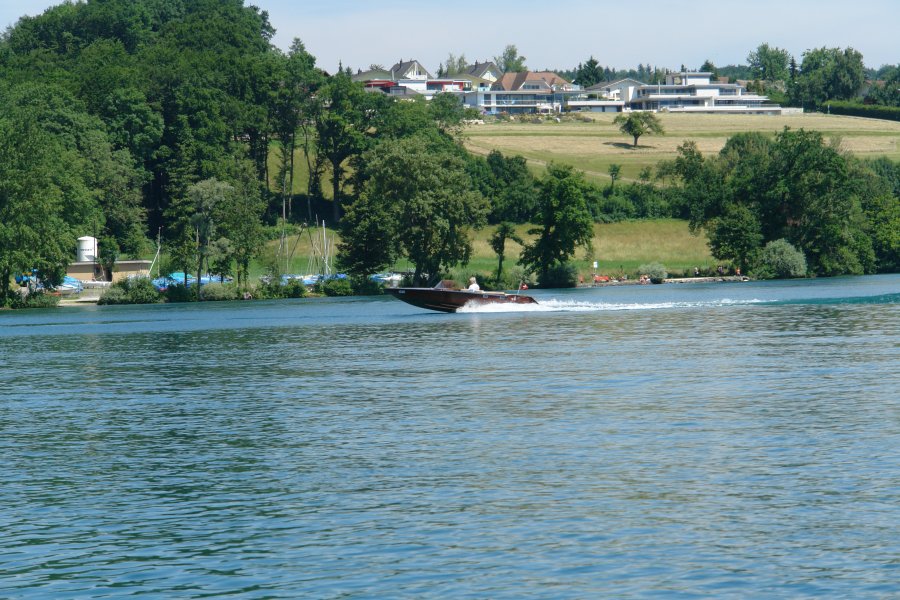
446,298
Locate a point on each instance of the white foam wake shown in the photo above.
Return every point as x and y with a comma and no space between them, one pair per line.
554,305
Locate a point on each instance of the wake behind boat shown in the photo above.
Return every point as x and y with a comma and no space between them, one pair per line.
446,298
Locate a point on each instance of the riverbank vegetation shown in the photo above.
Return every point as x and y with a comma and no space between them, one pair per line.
137,120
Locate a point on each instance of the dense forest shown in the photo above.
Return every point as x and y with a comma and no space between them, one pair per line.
130,120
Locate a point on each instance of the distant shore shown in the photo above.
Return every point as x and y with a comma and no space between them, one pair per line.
714,279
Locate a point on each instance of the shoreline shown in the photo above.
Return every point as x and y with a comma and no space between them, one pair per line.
678,280
93,298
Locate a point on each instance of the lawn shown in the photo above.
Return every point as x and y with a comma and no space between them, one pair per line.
618,247
593,146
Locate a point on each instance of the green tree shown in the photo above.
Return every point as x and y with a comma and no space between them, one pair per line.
888,92
370,238
505,231
448,112
564,221
35,232
240,221
509,60
709,67
614,171
454,65
589,73
207,199
638,123
342,127
63,180
828,74
424,194
768,63
510,186
796,187
295,109
736,236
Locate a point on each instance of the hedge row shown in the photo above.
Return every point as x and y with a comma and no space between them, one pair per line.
854,109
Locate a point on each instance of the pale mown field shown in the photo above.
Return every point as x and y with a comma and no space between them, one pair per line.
593,146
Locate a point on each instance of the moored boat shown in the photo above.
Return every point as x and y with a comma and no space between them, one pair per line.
449,299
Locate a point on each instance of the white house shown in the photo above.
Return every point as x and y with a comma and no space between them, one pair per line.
523,92
694,92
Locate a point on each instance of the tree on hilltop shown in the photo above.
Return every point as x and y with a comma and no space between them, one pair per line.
638,123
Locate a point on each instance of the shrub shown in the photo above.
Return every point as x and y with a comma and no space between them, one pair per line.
780,260
274,288
37,299
560,275
855,109
655,271
363,286
219,292
294,288
135,290
113,295
335,287
179,293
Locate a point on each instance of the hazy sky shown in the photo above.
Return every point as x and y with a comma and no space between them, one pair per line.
562,33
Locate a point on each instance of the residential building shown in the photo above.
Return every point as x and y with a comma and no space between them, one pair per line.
408,79
523,92
480,76
694,92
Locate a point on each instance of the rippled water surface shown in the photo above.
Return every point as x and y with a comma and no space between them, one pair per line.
730,440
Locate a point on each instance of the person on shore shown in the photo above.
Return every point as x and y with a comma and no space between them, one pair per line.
696,271
473,285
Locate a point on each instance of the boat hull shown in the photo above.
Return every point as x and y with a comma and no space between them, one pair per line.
444,300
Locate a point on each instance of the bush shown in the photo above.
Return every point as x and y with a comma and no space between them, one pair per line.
560,275
780,260
855,109
114,295
135,290
363,286
37,299
179,293
274,289
335,287
294,288
655,271
214,292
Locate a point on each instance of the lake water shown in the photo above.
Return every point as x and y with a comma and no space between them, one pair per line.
674,441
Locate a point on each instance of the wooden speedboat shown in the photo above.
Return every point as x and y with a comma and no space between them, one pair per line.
448,299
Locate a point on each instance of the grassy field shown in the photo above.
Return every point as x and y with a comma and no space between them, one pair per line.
593,146
618,247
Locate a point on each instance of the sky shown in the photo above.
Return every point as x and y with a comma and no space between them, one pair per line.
559,34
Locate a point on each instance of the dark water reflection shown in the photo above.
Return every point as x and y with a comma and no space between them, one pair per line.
717,440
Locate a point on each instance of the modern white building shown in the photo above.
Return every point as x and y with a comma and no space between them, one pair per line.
695,92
